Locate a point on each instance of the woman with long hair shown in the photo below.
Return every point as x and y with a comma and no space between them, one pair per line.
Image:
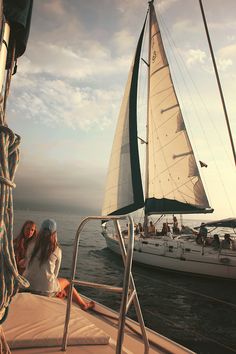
44,260
27,236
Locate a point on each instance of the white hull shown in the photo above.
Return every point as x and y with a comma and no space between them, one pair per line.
180,256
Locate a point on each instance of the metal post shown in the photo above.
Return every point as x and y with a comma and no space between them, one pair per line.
3,53
135,297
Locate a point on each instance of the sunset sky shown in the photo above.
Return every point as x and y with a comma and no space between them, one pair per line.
65,97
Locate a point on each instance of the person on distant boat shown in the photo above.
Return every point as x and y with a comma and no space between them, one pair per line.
202,235
216,242
176,230
125,231
140,227
151,229
165,229
27,236
227,242
43,264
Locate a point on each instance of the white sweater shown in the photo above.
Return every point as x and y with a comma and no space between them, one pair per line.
43,278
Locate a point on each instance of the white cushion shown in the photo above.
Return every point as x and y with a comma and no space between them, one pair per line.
36,321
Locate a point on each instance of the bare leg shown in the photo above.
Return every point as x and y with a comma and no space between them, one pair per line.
64,284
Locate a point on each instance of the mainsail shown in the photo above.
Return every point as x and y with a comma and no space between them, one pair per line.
173,182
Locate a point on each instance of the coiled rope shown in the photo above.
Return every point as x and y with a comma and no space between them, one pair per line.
9,158
9,276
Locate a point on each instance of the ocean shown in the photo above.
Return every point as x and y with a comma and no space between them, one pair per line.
199,313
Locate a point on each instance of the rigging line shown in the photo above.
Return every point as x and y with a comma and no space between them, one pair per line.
207,111
176,187
218,81
183,195
159,219
173,324
169,39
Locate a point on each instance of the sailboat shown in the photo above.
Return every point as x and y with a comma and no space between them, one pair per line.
31,323
173,184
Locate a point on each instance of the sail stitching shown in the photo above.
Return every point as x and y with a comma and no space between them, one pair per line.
183,194
159,69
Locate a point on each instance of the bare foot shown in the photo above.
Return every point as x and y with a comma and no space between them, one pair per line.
88,305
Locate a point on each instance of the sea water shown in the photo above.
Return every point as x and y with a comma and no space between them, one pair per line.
199,313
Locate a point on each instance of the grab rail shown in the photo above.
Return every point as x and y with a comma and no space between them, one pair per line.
128,290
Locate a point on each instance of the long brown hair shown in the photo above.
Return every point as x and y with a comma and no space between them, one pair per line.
45,245
21,243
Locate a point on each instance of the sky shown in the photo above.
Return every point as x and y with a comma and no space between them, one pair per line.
64,100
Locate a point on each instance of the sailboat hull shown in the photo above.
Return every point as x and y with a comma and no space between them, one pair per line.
176,255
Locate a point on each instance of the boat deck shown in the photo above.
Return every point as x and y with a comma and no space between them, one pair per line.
18,332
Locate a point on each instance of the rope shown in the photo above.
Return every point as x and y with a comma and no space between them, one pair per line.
10,279
3,343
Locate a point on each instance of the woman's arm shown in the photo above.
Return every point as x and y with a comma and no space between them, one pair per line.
58,263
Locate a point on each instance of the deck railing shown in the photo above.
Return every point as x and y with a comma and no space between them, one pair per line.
128,291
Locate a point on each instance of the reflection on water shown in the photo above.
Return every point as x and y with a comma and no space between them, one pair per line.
183,308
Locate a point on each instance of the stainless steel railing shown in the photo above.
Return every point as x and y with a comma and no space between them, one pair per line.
128,291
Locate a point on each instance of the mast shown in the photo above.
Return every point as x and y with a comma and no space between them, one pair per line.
147,125
218,81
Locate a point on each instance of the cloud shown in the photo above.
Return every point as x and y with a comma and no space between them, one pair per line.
185,26
73,85
124,41
67,62
228,52
195,56
224,64
164,5
56,102
55,8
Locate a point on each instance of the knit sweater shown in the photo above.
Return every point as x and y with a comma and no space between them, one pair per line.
43,277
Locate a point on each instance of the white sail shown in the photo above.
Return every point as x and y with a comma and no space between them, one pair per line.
119,190
174,183
123,191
